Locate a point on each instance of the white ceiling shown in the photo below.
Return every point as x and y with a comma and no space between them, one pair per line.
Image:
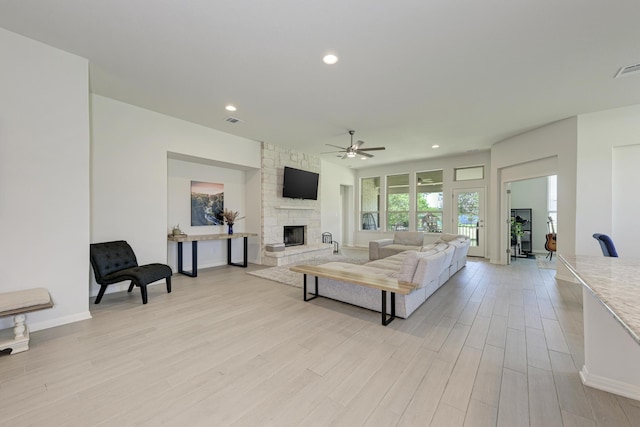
462,74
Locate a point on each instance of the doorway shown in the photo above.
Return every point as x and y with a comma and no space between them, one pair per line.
470,219
532,212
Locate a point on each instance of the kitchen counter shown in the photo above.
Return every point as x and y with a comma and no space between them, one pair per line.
611,314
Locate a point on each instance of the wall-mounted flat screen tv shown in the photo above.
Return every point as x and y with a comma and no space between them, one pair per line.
300,184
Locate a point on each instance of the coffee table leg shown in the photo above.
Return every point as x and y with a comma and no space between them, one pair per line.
386,320
305,288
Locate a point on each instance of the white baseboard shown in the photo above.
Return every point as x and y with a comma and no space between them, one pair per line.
612,386
59,321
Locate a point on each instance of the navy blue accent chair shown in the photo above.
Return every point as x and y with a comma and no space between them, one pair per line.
608,248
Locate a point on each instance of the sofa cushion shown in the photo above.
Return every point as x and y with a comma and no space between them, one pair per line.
462,247
447,237
355,268
401,248
408,238
449,254
408,267
427,240
438,247
429,267
393,262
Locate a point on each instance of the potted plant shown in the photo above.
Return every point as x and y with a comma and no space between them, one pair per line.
516,231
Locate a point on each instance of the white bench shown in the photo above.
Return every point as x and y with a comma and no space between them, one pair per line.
16,304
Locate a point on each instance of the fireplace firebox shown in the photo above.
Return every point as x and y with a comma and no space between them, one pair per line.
293,235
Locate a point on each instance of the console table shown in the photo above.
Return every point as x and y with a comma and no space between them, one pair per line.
194,239
611,311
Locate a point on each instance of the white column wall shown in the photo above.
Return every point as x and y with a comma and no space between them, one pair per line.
331,219
44,177
598,136
626,206
530,155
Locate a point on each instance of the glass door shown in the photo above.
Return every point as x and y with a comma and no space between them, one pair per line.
469,220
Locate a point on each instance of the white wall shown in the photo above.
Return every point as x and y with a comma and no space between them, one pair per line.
447,164
129,172
547,150
532,194
601,203
626,206
44,177
332,177
212,252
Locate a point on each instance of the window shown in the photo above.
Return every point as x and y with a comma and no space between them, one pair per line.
398,202
429,201
469,173
370,203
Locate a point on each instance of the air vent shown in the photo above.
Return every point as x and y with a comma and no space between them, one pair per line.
232,120
629,69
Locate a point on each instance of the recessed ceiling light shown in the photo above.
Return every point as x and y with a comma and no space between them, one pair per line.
363,158
435,146
330,59
230,108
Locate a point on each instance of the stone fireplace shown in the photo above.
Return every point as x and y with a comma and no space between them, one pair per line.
279,213
293,235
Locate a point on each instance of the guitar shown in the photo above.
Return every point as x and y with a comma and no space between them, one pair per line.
550,244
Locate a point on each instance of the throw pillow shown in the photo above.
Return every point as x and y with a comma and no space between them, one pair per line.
428,240
447,237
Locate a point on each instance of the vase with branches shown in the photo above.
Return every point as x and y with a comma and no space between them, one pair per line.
230,218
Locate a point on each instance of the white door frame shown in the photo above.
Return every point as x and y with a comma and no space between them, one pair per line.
480,250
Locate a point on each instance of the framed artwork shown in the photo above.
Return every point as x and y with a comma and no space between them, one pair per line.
207,203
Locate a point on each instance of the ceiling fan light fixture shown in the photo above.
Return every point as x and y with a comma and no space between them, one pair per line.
354,150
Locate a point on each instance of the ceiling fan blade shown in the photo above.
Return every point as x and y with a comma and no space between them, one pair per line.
372,149
362,153
345,156
357,144
332,152
331,145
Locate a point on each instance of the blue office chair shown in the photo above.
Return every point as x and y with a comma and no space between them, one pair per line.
608,248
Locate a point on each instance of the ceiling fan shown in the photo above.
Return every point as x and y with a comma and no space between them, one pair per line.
354,150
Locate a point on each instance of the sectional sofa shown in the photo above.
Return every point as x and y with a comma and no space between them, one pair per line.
428,268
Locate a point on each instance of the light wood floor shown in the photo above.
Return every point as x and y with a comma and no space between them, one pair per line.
497,345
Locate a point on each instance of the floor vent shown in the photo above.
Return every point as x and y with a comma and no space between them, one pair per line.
629,69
